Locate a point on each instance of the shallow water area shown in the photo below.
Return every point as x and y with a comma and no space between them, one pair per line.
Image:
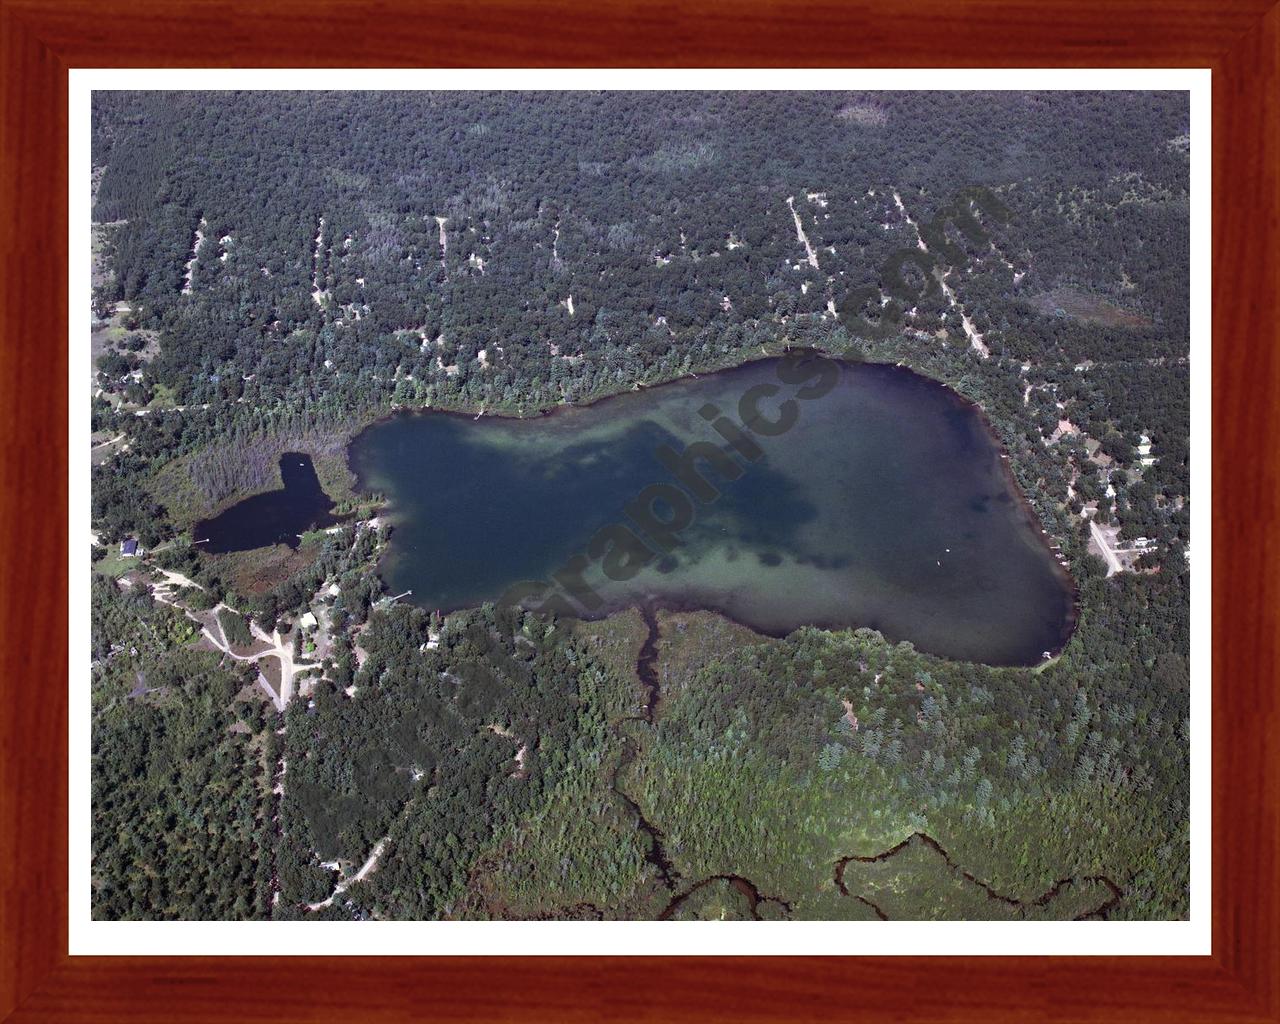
848,495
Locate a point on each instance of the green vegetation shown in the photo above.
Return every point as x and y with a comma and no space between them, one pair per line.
894,887
443,750
287,337
180,805
197,484
235,628
1025,777
510,253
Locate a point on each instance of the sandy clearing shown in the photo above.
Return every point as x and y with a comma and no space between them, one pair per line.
975,337
971,332
1064,427
274,697
522,750
800,235
1104,549
276,647
317,295
195,253
176,579
282,651
1018,275
897,199
444,239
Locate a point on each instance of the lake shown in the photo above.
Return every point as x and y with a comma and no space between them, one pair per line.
275,517
783,493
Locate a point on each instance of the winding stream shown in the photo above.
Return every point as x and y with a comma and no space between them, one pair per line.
744,886
646,671
1042,900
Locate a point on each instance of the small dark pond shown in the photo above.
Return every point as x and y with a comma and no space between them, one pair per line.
276,517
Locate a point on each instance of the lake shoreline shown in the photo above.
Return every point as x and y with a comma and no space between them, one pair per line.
362,494
1030,516
1027,512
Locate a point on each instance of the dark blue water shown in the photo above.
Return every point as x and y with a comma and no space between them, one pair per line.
276,517
884,504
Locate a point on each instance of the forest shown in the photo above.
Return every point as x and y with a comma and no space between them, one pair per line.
277,270
181,816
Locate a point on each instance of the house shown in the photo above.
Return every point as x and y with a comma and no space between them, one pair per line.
307,621
129,548
1144,451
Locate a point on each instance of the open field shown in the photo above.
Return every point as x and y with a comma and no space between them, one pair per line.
1087,308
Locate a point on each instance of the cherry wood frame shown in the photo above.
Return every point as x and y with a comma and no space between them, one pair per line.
41,39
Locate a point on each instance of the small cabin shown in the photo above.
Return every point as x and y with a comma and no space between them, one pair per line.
129,547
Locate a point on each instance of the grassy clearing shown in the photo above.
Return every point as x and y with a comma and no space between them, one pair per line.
917,883
201,484
115,564
260,570
164,398
1093,309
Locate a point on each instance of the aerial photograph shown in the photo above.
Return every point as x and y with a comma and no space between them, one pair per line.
639,505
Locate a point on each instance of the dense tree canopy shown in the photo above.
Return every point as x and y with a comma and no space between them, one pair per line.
274,270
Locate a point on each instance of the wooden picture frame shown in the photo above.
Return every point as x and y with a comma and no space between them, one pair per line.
42,39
